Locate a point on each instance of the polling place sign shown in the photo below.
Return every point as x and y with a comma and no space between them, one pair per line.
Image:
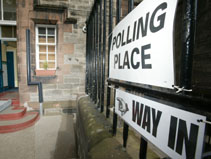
142,45
174,131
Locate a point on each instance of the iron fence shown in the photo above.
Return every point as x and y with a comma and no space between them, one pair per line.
99,33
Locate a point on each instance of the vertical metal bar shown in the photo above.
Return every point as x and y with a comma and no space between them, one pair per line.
109,44
125,134
143,149
93,59
92,43
104,50
87,48
189,28
126,127
118,12
114,117
130,5
100,59
96,55
89,55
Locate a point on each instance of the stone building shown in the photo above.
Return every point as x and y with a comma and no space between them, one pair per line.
57,50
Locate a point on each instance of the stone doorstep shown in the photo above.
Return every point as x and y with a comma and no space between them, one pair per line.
5,104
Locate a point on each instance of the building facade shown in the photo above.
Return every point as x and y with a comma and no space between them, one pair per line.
57,45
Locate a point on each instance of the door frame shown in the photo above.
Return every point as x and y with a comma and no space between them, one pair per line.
1,71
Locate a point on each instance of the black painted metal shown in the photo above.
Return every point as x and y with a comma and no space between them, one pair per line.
199,105
92,57
87,61
114,123
125,128
130,5
189,28
29,82
95,54
100,55
109,44
118,13
89,57
153,92
118,10
125,134
104,52
143,149
91,39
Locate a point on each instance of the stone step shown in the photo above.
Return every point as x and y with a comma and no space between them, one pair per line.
12,113
4,104
27,120
14,102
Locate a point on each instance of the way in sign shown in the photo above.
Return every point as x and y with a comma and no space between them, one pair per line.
143,115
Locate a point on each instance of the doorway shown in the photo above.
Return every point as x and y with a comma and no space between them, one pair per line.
10,70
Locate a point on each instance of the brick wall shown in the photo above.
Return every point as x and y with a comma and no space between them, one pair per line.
69,81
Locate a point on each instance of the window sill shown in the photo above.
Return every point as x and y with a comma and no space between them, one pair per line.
45,73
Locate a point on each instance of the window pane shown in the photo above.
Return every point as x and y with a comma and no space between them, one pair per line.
14,32
42,39
51,48
51,64
51,31
51,56
42,48
41,64
42,57
7,31
9,8
41,30
51,39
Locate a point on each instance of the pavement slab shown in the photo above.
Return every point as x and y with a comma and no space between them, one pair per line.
52,137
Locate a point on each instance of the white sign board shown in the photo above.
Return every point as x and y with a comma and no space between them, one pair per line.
142,45
174,131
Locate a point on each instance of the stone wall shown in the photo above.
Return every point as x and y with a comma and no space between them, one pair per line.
69,16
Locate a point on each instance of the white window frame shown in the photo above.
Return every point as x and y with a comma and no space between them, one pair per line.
2,21
51,44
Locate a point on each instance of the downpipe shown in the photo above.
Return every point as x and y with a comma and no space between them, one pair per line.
29,82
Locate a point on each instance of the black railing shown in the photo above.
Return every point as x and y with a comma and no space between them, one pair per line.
97,37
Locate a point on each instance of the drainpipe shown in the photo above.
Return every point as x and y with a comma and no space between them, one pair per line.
29,82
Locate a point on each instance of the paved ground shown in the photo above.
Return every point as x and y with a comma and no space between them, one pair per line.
51,138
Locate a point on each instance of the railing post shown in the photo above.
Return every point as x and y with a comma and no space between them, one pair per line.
89,56
100,56
189,27
143,149
130,5
95,55
92,55
109,44
87,60
126,127
114,117
125,134
118,13
104,50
